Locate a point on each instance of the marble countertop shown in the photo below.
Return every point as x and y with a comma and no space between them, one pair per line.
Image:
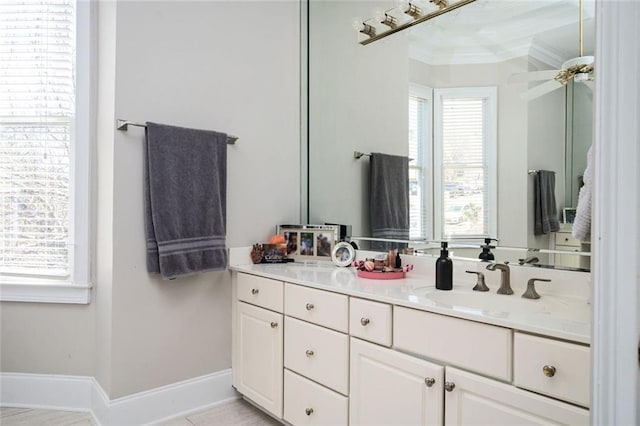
562,317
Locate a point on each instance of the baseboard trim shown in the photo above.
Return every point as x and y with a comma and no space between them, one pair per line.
83,393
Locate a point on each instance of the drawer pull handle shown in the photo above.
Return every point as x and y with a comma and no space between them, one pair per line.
255,291
310,306
274,324
549,370
364,321
449,386
309,411
429,381
309,353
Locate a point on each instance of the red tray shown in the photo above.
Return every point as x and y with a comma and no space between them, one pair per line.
379,275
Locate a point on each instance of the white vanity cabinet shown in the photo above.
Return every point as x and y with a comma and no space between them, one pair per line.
565,241
473,399
310,356
392,388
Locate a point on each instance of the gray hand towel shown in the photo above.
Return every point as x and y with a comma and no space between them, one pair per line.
546,213
185,200
389,199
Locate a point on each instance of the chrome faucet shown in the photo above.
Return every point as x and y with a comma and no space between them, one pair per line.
505,281
530,259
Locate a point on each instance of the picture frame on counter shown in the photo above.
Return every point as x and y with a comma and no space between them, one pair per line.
568,215
309,242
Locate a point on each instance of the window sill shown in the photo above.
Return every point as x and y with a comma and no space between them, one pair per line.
42,291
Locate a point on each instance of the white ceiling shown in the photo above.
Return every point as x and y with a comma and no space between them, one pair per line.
497,30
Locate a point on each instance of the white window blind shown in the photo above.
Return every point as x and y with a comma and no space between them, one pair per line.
37,108
465,146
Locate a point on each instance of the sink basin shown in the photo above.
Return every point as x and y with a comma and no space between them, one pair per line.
498,305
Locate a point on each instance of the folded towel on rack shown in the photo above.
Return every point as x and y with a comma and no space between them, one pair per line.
582,223
545,209
389,199
185,200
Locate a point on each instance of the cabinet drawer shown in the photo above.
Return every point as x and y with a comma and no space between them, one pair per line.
566,239
260,291
567,375
370,320
478,347
317,353
308,403
317,306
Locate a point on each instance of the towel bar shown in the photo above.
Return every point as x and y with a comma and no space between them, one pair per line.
357,155
124,126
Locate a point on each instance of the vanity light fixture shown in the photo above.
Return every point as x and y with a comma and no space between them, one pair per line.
415,13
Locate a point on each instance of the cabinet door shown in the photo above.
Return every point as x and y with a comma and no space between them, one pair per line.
392,388
259,369
472,399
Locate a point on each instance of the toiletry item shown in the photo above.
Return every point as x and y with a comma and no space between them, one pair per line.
486,255
391,256
398,261
444,269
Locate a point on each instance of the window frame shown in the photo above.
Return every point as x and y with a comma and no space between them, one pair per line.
426,162
490,154
76,286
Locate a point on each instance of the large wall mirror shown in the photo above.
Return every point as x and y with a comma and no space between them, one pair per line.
391,97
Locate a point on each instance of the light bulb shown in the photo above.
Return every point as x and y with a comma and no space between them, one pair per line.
403,5
409,8
357,24
384,18
363,27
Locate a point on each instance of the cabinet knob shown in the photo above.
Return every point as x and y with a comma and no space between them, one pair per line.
255,291
274,324
549,370
310,306
364,321
429,381
309,353
309,411
449,386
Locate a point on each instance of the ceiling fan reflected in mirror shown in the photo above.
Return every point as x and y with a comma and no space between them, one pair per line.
579,69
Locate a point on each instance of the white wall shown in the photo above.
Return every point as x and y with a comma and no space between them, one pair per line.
226,66
358,98
546,151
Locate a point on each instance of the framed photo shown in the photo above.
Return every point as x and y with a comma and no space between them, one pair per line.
309,242
568,215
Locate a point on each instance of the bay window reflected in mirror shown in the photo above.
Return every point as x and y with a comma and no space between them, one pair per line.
452,141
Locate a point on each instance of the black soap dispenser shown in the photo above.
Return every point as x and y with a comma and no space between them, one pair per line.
444,269
486,255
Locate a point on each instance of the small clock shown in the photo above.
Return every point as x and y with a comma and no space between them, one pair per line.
343,254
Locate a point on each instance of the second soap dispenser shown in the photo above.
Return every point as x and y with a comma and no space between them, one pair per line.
444,269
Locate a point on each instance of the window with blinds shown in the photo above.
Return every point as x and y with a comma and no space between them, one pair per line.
37,109
465,149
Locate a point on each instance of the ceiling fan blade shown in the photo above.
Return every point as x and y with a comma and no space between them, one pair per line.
541,89
532,76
